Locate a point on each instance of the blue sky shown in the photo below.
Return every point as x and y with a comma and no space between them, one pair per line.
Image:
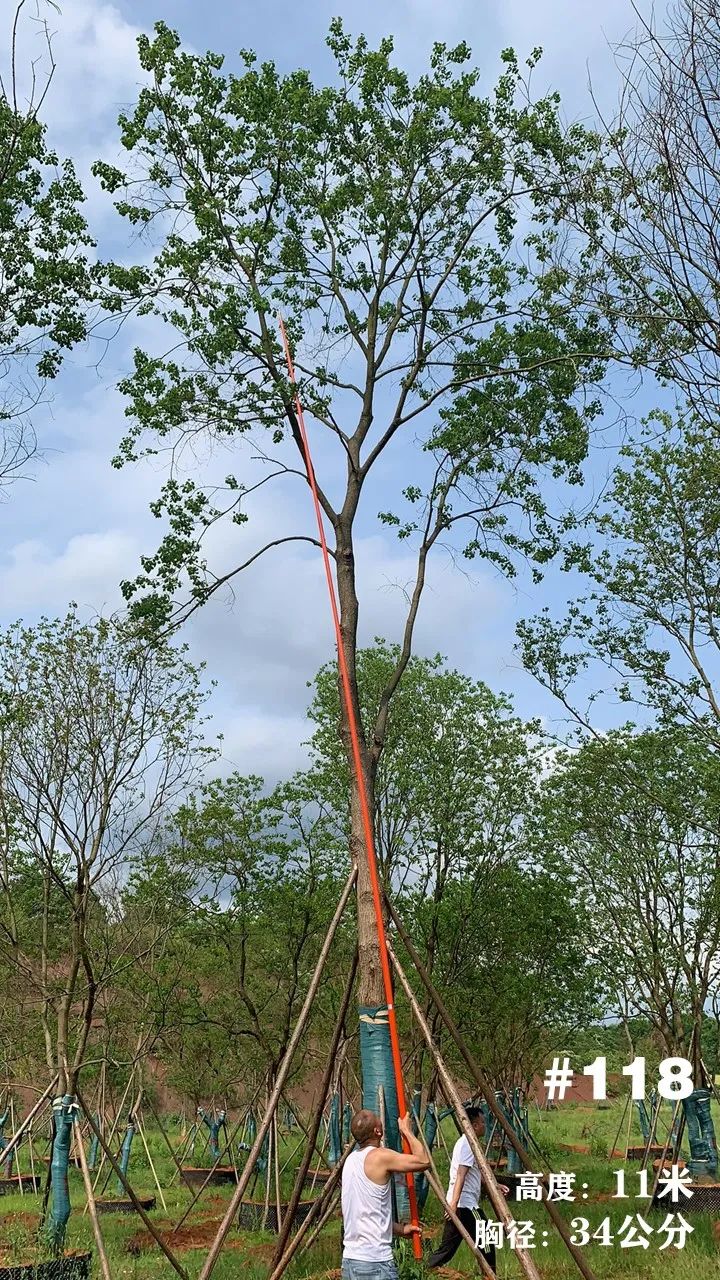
76,527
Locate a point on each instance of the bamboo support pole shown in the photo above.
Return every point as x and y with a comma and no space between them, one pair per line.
41,1102
283,1072
136,1203
496,1197
318,1207
141,1127
316,1120
556,1217
663,1158
87,1180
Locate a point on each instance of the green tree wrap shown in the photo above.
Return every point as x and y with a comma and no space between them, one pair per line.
334,1145
377,1069
124,1161
94,1150
422,1186
701,1133
644,1119
64,1110
4,1142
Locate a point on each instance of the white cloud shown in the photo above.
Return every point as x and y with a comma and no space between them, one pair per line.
87,570
81,527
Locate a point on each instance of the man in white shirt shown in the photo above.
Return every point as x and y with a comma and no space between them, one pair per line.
463,1196
368,1226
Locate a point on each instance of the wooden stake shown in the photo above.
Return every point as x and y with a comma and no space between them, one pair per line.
316,1119
136,1203
112,1134
556,1217
496,1197
80,1145
210,1173
318,1207
8,1150
276,1153
141,1127
283,1072
167,1141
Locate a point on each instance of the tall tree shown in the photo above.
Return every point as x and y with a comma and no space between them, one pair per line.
453,789
633,819
265,877
654,562
382,215
46,280
645,206
99,737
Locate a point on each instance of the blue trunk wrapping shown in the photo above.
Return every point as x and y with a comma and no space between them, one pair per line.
214,1125
124,1160
643,1118
415,1110
347,1117
422,1186
676,1126
64,1110
377,1069
334,1146
215,1128
518,1121
94,1151
701,1133
4,1143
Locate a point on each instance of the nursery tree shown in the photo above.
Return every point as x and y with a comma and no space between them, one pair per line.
46,281
99,737
404,229
266,877
633,821
653,559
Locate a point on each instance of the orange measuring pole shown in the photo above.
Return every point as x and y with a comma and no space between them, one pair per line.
360,779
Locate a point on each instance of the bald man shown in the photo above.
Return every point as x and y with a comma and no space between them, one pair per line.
368,1226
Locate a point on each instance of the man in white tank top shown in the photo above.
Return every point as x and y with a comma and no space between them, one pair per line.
368,1226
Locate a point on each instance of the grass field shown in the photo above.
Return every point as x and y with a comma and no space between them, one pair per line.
133,1256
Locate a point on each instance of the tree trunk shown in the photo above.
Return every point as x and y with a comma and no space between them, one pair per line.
64,1111
371,990
375,1048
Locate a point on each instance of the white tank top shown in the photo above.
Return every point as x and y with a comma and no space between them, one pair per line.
366,1211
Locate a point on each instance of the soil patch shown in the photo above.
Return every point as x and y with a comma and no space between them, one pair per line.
192,1235
21,1219
24,1224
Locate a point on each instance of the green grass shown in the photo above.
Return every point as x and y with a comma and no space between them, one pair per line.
571,1125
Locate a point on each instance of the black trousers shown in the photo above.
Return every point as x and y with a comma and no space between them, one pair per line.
451,1240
